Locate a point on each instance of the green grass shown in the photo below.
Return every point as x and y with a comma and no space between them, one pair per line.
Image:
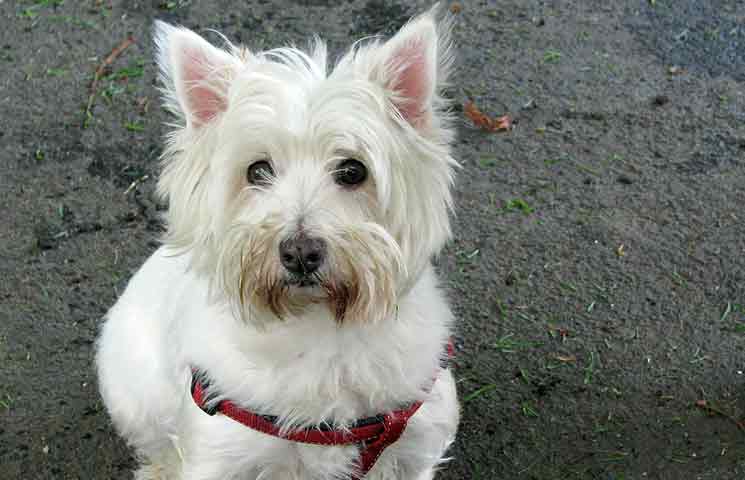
132,71
586,169
76,21
56,72
507,344
479,392
518,204
590,369
679,279
33,11
551,56
29,13
502,309
464,257
612,456
134,126
528,410
6,401
112,90
727,311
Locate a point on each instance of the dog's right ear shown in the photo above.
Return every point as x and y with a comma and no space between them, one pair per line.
195,74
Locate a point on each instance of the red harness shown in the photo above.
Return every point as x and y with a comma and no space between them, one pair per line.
374,434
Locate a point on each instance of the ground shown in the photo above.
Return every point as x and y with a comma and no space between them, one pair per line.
597,268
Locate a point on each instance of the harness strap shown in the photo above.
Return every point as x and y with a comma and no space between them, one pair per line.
373,434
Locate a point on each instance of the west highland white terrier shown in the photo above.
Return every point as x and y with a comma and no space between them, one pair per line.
291,327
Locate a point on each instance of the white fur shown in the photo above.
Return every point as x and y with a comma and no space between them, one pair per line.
305,354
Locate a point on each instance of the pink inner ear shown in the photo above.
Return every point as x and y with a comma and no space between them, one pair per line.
411,81
203,101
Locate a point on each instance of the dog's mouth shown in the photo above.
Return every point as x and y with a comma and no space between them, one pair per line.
302,281
303,290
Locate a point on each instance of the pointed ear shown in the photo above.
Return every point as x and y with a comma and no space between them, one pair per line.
412,66
194,73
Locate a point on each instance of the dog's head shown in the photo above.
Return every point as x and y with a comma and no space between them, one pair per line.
292,186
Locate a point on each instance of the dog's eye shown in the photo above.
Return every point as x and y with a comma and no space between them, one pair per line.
260,173
350,172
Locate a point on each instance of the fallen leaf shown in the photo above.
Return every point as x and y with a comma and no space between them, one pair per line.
504,122
484,121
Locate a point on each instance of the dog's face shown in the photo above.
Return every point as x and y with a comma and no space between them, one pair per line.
292,186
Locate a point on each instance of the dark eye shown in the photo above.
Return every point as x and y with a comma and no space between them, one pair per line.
350,172
260,173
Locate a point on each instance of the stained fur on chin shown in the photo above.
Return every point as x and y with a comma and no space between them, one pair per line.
355,286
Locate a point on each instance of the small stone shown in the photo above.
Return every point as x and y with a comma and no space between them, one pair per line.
660,100
510,279
675,70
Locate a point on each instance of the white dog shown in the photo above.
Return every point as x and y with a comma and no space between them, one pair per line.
292,323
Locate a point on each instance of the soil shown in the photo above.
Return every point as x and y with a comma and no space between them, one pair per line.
598,263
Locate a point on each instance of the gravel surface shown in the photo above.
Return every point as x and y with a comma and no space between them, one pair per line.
598,264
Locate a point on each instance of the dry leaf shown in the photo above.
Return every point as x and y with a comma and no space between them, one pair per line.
484,121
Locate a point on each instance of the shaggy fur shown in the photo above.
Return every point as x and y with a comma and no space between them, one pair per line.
367,336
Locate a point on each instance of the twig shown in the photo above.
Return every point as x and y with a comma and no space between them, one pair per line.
712,410
134,184
99,73
727,311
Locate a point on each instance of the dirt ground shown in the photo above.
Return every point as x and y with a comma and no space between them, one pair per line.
598,264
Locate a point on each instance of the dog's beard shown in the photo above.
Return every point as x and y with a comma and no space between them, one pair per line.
357,283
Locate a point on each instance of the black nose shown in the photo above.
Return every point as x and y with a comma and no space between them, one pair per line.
301,254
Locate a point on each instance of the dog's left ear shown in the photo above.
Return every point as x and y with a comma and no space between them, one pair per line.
413,66
195,74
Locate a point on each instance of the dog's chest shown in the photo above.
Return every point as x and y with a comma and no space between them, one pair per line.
258,455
